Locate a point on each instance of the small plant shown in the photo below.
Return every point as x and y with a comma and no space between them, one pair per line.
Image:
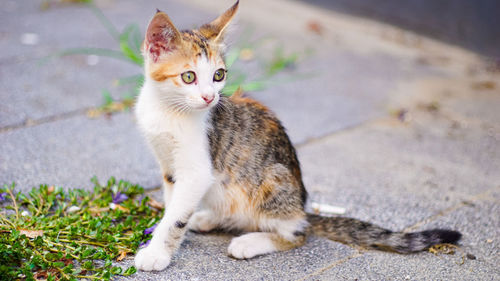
53,234
268,68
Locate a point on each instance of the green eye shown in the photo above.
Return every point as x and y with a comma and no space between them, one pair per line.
219,74
188,77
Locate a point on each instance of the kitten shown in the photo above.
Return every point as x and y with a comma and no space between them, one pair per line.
227,162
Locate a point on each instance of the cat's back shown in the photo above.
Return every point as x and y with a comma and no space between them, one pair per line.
246,138
244,117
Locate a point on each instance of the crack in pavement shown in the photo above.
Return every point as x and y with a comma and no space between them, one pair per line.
48,119
346,129
450,209
332,265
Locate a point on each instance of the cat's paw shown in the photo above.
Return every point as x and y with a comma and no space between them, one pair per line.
202,221
251,245
152,258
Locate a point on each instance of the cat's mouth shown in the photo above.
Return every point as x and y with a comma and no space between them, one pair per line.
199,107
204,106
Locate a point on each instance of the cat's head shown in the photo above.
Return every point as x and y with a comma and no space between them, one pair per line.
186,67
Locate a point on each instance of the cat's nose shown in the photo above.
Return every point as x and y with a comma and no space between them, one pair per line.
208,98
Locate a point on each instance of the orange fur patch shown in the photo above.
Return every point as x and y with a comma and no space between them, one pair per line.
159,75
265,190
168,67
283,244
238,200
210,55
245,100
271,125
177,84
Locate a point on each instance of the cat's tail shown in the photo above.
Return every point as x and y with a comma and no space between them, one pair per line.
353,231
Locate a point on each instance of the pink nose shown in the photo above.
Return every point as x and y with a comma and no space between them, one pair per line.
208,98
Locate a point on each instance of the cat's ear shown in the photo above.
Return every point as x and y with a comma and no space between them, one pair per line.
215,30
161,36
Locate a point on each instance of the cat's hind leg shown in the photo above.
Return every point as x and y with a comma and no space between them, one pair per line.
254,244
279,214
203,221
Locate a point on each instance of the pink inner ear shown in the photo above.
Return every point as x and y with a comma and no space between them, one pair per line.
160,37
156,48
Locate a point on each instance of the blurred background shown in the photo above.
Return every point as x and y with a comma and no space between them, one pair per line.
471,24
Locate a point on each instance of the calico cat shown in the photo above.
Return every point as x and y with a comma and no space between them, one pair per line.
227,161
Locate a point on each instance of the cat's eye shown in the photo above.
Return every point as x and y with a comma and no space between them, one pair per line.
219,74
188,77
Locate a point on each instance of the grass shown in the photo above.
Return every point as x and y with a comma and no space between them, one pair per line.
129,42
49,233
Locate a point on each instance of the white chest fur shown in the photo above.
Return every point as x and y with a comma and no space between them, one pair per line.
177,140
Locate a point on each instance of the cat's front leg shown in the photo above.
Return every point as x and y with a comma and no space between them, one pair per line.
168,188
188,192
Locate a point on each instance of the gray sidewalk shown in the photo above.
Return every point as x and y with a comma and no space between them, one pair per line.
400,130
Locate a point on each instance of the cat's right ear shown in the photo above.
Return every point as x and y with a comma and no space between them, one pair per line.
161,36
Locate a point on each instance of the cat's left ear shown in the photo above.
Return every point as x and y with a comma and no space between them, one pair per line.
214,31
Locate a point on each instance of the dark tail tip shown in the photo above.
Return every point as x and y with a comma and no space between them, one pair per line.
447,236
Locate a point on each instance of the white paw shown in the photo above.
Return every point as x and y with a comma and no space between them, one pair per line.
202,221
251,245
152,258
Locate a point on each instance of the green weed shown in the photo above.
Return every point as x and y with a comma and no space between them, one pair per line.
49,233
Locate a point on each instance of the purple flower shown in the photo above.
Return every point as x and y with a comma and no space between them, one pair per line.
119,197
3,196
144,244
149,230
